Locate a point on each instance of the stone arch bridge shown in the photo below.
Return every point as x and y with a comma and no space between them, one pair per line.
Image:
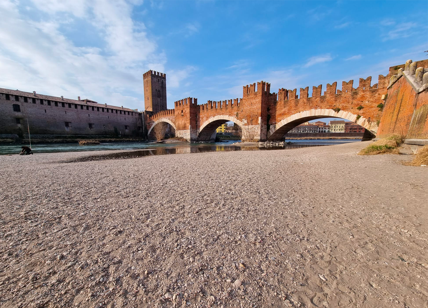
269,116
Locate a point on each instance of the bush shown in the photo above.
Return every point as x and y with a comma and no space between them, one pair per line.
336,110
421,157
383,146
360,107
398,139
380,106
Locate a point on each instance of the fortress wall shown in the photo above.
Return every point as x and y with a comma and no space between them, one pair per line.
348,99
49,117
406,107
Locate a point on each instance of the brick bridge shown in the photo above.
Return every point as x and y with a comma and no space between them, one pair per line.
269,116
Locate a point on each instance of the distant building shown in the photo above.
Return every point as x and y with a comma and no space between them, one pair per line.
337,126
353,128
222,128
305,128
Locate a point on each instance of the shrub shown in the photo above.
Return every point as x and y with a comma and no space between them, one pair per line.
358,117
336,109
360,107
380,106
398,139
383,146
421,157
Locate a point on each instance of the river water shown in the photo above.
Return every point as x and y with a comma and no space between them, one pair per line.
160,149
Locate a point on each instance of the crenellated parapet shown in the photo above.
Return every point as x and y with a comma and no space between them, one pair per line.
190,101
220,105
154,74
416,76
331,92
262,87
163,114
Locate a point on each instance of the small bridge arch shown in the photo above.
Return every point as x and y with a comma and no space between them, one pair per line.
161,120
278,131
208,128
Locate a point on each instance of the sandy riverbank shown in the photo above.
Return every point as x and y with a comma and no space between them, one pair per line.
310,227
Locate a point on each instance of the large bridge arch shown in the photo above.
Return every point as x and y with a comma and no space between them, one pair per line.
277,132
161,120
208,128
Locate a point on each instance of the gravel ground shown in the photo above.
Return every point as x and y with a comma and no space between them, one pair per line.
311,227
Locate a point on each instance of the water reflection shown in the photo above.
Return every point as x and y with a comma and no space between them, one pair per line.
204,148
139,149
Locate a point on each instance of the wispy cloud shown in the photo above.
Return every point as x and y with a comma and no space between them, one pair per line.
401,30
38,55
318,14
192,28
356,57
318,59
387,22
343,25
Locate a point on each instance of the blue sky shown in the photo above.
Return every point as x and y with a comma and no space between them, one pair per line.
209,49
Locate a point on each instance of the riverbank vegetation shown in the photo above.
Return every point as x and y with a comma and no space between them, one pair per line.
388,145
421,158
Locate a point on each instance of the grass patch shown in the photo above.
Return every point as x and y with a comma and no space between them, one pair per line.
421,157
388,145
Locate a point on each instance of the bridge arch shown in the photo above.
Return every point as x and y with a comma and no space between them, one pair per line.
161,120
208,128
278,131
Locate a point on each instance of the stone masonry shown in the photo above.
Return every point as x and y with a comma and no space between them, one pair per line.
263,115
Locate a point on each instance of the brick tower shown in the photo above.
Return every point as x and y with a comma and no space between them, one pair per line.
154,91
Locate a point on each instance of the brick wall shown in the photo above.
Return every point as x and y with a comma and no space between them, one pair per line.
51,117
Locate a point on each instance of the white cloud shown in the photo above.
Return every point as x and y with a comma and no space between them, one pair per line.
401,30
192,28
318,59
387,22
356,57
342,25
37,55
175,77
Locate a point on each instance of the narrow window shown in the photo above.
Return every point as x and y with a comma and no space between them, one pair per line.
75,106
116,111
63,105
98,108
45,110
121,112
91,125
16,108
67,125
102,109
18,121
49,103
7,97
69,105
81,107
93,109
17,98
41,102
87,107
33,100
126,127
25,100
56,104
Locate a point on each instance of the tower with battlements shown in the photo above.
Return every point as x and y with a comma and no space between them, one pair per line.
154,91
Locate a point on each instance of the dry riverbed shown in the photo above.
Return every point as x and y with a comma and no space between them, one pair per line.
310,227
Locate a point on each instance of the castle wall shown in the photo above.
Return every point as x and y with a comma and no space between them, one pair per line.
263,115
154,91
361,101
64,117
406,107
